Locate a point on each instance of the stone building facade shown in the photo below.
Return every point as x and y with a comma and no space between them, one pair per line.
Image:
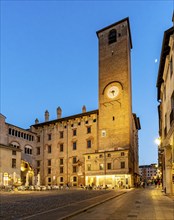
165,88
98,147
16,154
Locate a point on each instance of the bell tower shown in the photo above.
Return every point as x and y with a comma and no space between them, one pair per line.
115,94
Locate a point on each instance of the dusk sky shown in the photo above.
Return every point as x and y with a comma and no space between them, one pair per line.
49,58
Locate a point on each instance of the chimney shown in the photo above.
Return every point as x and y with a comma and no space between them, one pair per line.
46,115
36,121
59,112
84,109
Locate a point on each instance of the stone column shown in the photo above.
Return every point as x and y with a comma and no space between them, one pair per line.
168,169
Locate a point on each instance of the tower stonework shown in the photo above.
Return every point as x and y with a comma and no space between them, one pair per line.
115,95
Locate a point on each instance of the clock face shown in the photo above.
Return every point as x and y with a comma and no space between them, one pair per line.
113,92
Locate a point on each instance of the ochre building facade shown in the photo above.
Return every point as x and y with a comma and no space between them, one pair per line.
99,147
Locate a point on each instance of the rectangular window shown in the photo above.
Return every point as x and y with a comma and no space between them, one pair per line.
122,153
61,147
49,137
122,165
38,170
74,132
61,169
109,166
38,163
89,167
13,152
88,143
49,162
101,166
61,134
49,149
74,169
13,163
89,130
61,161
38,150
49,170
38,138
49,179
61,179
74,159
74,145
89,157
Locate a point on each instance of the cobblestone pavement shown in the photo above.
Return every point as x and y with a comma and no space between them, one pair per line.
18,205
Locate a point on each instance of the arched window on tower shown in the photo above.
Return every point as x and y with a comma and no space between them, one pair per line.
112,37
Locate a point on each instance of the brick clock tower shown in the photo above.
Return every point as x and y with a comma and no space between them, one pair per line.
115,95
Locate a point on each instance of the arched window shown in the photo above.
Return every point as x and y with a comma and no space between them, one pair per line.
112,37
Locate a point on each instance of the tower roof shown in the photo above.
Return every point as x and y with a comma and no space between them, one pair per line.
116,23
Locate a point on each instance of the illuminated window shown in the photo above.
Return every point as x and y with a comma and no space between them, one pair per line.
101,166
89,167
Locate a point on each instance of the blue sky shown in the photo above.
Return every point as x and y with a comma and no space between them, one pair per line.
49,58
